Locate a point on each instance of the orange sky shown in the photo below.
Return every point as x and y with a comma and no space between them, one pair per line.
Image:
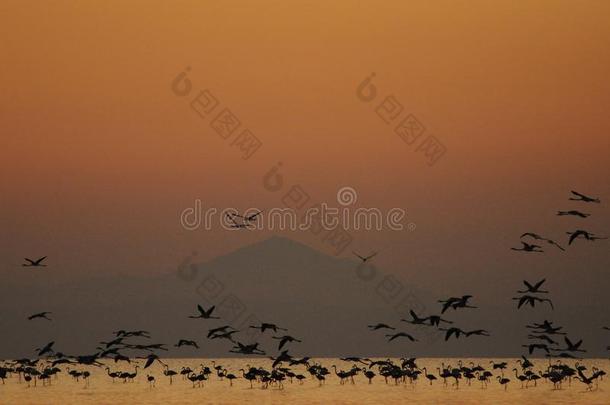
99,157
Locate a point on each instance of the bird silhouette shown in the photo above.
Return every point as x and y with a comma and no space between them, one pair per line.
235,224
531,300
283,357
380,326
224,335
268,326
400,334
503,381
204,314
528,247
477,332
365,258
34,263
135,333
582,197
220,329
542,238
247,349
535,288
415,320
285,339
542,337
571,347
150,359
249,218
156,346
573,213
356,360
435,320
586,235
48,348
40,315
456,302
453,331
184,342
547,328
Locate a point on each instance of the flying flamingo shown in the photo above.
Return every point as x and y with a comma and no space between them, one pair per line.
582,197
34,263
204,314
573,213
42,315
365,258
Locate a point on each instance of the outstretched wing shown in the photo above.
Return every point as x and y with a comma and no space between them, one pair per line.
253,217
371,256
209,311
539,284
576,193
575,235
360,257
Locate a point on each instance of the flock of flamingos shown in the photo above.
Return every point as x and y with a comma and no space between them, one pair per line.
560,367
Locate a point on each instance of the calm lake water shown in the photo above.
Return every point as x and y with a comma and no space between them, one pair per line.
101,389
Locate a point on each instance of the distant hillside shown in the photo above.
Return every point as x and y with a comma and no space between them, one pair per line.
325,301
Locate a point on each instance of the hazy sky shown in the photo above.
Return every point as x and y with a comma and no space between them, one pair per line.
100,157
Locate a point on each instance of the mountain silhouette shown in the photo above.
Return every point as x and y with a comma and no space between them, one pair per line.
325,301
322,299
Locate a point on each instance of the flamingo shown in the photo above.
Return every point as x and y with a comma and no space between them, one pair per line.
430,377
42,315
169,373
542,238
365,258
34,263
400,334
380,326
583,198
204,314
503,381
586,235
528,247
573,213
